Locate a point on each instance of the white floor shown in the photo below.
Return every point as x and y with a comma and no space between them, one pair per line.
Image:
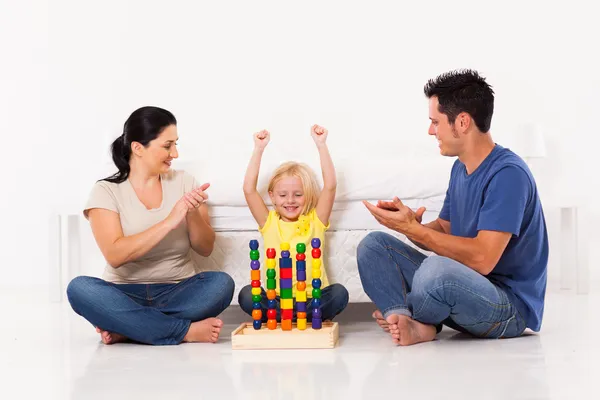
47,351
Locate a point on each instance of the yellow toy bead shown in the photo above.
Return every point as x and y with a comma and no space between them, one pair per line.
287,304
256,290
271,263
316,263
300,296
301,324
285,246
316,273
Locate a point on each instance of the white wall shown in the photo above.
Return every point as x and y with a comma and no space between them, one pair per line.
72,71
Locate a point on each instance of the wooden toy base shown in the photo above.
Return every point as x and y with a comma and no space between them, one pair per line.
245,337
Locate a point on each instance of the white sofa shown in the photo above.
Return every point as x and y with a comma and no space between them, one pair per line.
418,182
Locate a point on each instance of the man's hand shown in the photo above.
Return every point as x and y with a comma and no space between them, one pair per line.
391,206
395,215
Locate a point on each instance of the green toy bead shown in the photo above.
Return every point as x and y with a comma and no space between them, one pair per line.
256,298
271,283
271,273
316,293
254,255
300,248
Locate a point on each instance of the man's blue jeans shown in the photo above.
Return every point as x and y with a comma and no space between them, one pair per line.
158,314
434,290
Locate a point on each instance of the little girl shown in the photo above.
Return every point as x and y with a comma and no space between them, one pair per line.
300,214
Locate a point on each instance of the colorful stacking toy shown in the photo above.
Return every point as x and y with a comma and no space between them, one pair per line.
301,286
316,283
255,282
285,288
271,285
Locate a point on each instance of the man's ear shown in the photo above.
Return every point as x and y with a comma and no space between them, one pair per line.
463,122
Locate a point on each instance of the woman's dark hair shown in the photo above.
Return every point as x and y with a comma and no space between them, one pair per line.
463,91
143,126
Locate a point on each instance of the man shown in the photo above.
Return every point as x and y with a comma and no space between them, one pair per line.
488,277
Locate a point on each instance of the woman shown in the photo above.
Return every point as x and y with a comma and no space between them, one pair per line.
145,219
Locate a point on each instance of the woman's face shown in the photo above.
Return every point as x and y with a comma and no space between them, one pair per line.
161,151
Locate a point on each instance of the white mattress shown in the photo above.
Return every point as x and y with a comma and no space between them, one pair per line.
350,223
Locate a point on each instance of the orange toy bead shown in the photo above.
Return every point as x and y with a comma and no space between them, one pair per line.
286,324
271,294
301,315
301,286
272,324
255,275
256,314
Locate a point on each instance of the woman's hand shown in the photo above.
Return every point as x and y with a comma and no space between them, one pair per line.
198,196
188,202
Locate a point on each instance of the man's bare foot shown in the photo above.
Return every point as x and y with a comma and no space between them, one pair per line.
110,337
381,321
406,331
206,331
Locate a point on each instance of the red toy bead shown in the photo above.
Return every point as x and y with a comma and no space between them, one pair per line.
287,314
271,253
271,314
316,253
300,256
255,283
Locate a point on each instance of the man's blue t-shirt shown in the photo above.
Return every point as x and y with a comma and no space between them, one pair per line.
501,195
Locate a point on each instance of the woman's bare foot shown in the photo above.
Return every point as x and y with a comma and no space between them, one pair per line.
381,321
406,331
110,337
206,331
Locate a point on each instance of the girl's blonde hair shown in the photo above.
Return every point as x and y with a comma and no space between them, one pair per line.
307,177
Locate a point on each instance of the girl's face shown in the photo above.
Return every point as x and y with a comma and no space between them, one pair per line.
288,198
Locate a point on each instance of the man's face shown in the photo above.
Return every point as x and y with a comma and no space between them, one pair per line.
449,140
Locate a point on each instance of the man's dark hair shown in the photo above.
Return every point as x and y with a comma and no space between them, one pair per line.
463,91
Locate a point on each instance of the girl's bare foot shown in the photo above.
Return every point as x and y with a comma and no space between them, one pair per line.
381,321
206,331
110,337
406,331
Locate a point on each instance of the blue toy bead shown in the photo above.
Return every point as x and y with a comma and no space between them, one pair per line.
272,304
285,254
256,306
301,306
253,244
317,323
255,264
300,265
257,323
316,303
316,283
316,313
315,243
